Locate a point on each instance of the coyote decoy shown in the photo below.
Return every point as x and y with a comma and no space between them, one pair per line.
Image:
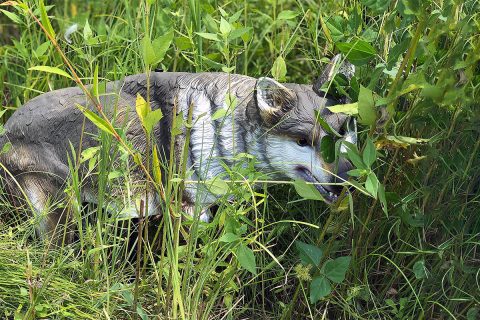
276,123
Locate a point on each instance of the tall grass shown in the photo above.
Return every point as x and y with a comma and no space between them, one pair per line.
413,254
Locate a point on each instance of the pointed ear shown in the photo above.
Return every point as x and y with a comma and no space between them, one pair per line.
274,100
335,66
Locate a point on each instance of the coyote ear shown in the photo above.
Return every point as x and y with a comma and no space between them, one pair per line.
274,100
335,66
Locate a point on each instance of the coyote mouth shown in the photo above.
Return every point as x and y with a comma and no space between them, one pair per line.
327,193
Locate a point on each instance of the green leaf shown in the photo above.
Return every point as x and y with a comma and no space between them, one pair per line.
319,288
366,107
220,113
369,153
354,155
327,149
307,191
372,184
287,15
246,258
152,118
217,186
102,124
142,108
148,118
335,270
419,269
239,32
309,254
6,147
45,20
382,198
225,27
279,69
473,313
209,36
87,32
349,108
358,52
53,70
161,46
229,237
41,49
357,172
377,6
148,52
12,16
325,126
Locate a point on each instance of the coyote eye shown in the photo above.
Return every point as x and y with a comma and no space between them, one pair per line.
302,142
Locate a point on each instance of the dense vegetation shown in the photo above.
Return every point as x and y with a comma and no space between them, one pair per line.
404,245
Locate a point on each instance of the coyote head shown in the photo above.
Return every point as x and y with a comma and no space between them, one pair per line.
291,142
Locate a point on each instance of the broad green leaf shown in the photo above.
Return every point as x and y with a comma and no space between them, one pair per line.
183,43
371,184
239,32
12,16
357,172
419,269
335,270
140,311
148,52
101,123
6,147
246,258
358,52
220,113
87,32
88,153
309,254
366,107
307,191
354,155
279,69
142,108
287,15
45,19
148,118
41,49
217,186
233,18
377,6
327,149
369,153
229,237
473,313
325,125
319,288
349,108
225,27
151,120
161,46
209,36
53,70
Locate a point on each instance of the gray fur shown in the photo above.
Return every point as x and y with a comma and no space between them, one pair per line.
41,131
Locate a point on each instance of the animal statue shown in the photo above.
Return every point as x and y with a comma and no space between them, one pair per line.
276,123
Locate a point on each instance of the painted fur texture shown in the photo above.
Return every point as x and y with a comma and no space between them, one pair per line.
273,122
